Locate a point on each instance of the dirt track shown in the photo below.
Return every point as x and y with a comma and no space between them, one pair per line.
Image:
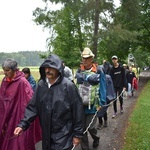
112,137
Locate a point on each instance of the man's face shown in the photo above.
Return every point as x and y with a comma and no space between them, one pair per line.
87,61
114,60
9,73
51,73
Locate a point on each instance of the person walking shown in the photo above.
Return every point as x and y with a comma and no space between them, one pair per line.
29,77
68,72
126,71
58,104
126,68
130,75
117,74
31,80
103,117
15,94
86,90
106,66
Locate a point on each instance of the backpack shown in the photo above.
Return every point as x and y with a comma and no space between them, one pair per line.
95,88
110,96
88,92
110,92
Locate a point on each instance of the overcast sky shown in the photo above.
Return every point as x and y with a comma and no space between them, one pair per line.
17,30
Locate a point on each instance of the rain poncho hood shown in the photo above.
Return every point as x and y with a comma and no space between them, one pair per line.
59,108
52,61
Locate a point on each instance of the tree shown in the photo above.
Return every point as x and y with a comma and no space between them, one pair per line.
122,34
73,26
98,25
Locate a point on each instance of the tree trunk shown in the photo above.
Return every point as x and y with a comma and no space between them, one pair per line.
96,23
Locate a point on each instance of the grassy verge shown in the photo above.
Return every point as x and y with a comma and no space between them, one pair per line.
137,136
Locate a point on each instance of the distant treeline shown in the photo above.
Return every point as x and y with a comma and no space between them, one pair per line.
24,58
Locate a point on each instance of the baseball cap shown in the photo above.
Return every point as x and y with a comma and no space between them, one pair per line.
114,57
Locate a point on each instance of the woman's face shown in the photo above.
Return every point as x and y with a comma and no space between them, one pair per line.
26,75
9,73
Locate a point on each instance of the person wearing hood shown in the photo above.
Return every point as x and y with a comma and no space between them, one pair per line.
59,106
15,94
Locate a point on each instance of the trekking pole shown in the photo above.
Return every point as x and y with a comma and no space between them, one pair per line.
96,115
91,122
88,126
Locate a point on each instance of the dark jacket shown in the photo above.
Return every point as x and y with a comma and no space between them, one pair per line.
59,108
130,75
118,77
107,67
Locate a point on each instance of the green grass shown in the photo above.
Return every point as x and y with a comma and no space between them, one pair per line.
34,71
137,136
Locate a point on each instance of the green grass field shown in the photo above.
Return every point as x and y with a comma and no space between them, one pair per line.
138,132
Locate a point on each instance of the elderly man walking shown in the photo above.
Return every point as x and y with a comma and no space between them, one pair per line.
87,93
59,106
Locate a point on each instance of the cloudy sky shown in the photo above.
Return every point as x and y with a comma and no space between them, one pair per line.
17,30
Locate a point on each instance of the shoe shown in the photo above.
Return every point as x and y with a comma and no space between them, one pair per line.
96,143
114,115
132,94
99,126
105,124
121,110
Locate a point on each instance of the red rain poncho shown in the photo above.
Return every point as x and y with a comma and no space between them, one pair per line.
14,96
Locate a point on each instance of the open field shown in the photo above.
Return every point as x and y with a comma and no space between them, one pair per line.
34,71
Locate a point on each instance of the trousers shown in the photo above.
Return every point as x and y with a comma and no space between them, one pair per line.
92,130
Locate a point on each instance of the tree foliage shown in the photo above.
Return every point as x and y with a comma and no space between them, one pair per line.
97,24
24,58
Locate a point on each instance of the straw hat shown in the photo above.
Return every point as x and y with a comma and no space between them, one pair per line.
87,53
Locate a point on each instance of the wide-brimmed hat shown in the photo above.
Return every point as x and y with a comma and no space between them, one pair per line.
87,53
